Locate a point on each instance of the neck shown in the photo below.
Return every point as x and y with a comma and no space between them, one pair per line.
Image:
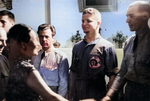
142,30
23,56
90,37
51,49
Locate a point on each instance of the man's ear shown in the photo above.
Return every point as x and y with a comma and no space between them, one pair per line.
98,24
23,45
145,15
12,22
53,37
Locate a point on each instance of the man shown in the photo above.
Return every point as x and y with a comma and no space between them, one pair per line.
92,59
7,19
51,63
4,65
56,44
135,68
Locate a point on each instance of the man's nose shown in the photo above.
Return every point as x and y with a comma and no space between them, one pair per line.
44,38
127,20
4,43
84,23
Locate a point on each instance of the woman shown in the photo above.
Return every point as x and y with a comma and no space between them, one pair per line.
25,83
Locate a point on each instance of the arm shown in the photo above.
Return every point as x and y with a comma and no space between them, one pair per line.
111,80
118,82
36,82
111,68
63,76
116,86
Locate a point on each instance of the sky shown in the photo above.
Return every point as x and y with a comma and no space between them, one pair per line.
65,15
66,18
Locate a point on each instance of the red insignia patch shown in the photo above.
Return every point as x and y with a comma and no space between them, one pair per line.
94,62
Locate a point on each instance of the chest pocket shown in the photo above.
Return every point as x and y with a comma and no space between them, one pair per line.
129,59
143,65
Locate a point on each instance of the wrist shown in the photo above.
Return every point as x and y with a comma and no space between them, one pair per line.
108,96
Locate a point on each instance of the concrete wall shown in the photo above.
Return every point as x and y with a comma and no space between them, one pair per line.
68,52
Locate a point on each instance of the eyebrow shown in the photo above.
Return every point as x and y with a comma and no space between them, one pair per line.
129,14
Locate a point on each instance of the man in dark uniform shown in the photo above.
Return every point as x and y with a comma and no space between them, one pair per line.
135,68
4,65
93,58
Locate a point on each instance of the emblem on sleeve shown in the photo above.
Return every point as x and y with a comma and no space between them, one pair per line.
94,62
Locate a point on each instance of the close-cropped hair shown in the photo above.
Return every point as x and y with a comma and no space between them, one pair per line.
20,33
7,13
94,12
143,6
47,26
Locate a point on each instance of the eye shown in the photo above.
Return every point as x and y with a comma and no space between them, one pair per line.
82,21
2,21
1,40
40,36
130,16
46,37
89,21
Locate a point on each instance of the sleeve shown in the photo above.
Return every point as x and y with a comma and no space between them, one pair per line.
111,63
1,88
74,61
120,80
63,76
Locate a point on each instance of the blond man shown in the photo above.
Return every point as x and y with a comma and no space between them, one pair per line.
93,58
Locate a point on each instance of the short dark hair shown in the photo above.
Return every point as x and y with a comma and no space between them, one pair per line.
19,32
47,26
8,13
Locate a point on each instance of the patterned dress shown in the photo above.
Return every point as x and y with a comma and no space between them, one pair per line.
17,88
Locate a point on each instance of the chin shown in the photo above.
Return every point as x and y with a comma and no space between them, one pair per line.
1,50
132,30
34,54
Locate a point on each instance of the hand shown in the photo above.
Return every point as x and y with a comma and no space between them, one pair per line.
106,98
4,99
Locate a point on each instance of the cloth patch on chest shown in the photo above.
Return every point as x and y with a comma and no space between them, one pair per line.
94,62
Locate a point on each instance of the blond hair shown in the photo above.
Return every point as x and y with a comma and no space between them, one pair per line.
94,12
